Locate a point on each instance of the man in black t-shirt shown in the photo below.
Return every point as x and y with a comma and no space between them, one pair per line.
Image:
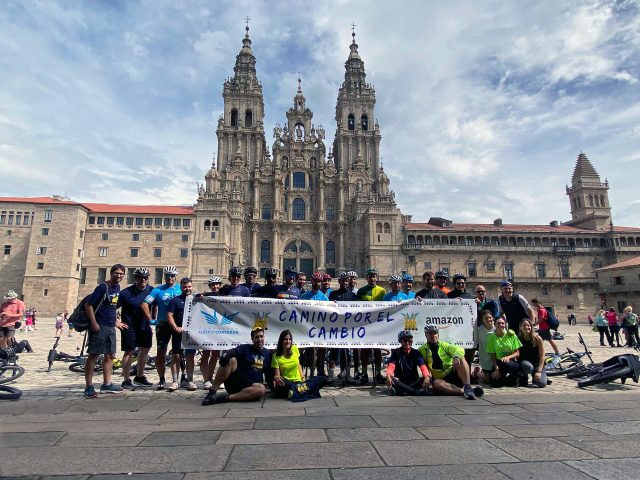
402,371
429,280
243,370
175,316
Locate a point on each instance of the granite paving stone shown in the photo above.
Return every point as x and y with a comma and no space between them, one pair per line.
440,472
621,415
471,408
65,477
369,434
541,470
50,460
488,419
618,469
201,437
553,407
533,449
305,455
435,401
611,446
555,418
39,439
139,476
452,433
374,401
387,410
413,421
113,403
264,412
264,437
434,452
535,431
608,405
213,412
103,414
617,427
337,421
95,439
309,474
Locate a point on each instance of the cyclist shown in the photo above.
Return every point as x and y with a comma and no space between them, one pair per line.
407,285
441,281
353,281
460,291
316,294
395,295
234,289
136,331
301,282
289,289
343,294
429,290
11,311
402,371
447,365
243,370
270,289
371,292
326,284
210,357
483,331
175,317
484,303
160,298
250,274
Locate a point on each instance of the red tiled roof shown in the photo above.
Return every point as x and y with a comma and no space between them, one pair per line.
632,262
149,209
106,207
489,227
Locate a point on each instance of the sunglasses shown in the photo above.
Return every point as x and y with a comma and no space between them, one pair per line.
481,291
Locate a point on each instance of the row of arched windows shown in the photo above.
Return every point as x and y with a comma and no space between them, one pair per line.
364,122
380,227
592,200
292,248
248,118
520,241
298,212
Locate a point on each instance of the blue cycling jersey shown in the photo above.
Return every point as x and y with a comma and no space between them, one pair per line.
394,297
161,296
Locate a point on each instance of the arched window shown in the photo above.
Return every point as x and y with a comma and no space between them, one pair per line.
248,118
602,204
330,256
265,251
207,225
591,200
298,212
313,163
411,239
378,227
387,228
351,122
215,225
266,211
331,213
364,122
305,248
597,200
359,185
291,248
299,180
234,118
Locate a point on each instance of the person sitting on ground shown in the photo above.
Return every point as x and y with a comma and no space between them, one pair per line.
531,356
447,365
243,370
175,317
288,379
603,328
395,295
503,347
482,334
402,370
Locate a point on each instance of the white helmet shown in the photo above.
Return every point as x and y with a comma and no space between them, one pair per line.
213,280
395,278
170,270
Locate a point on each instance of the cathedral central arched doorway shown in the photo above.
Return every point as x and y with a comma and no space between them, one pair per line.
299,256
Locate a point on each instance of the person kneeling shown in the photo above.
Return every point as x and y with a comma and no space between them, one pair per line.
287,373
402,371
243,370
447,365
503,346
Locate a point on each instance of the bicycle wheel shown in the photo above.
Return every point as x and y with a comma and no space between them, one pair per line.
9,373
606,376
9,393
564,368
78,367
584,370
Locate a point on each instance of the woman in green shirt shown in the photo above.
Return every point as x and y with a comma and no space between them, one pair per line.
503,346
287,372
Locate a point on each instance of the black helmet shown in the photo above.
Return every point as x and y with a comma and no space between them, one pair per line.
441,274
404,334
270,273
249,270
459,276
141,272
235,272
430,328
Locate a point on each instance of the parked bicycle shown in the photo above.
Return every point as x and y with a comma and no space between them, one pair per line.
620,367
55,356
10,371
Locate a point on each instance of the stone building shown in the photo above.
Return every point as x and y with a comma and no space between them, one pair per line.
301,204
620,284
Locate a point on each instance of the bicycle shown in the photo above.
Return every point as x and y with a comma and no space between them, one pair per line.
621,366
55,356
570,361
10,371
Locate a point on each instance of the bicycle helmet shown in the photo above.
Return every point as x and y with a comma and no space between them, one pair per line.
317,276
290,272
459,276
249,270
395,278
429,328
235,272
141,272
213,280
170,270
441,274
407,278
371,271
326,276
404,334
352,274
343,275
270,273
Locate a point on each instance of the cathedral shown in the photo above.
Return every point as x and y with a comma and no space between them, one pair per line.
301,204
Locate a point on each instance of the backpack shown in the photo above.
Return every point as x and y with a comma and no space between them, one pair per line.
79,317
552,320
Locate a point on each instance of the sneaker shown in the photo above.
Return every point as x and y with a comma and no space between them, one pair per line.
111,388
142,381
184,382
127,384
173,386
468,392
209,398
90,392
364,379
206,385
161,384
392,392
191,386
478,391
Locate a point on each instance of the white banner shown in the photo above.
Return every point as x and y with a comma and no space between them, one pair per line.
220,323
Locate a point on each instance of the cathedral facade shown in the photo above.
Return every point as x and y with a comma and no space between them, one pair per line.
302,204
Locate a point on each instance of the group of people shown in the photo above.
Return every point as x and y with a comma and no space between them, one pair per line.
509,349
609,324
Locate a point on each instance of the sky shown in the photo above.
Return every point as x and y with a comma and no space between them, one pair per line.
483,106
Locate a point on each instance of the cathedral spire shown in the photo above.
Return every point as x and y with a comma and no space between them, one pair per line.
245,67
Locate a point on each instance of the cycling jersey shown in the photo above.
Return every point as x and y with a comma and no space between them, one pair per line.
317,295
394,297
343,295
162,295
369,293
440,359
237,291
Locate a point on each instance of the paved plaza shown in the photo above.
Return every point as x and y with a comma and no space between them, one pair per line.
561,431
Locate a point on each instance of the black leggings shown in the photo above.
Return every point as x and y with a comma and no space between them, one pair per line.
634,338
604,331
615,333
402,388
